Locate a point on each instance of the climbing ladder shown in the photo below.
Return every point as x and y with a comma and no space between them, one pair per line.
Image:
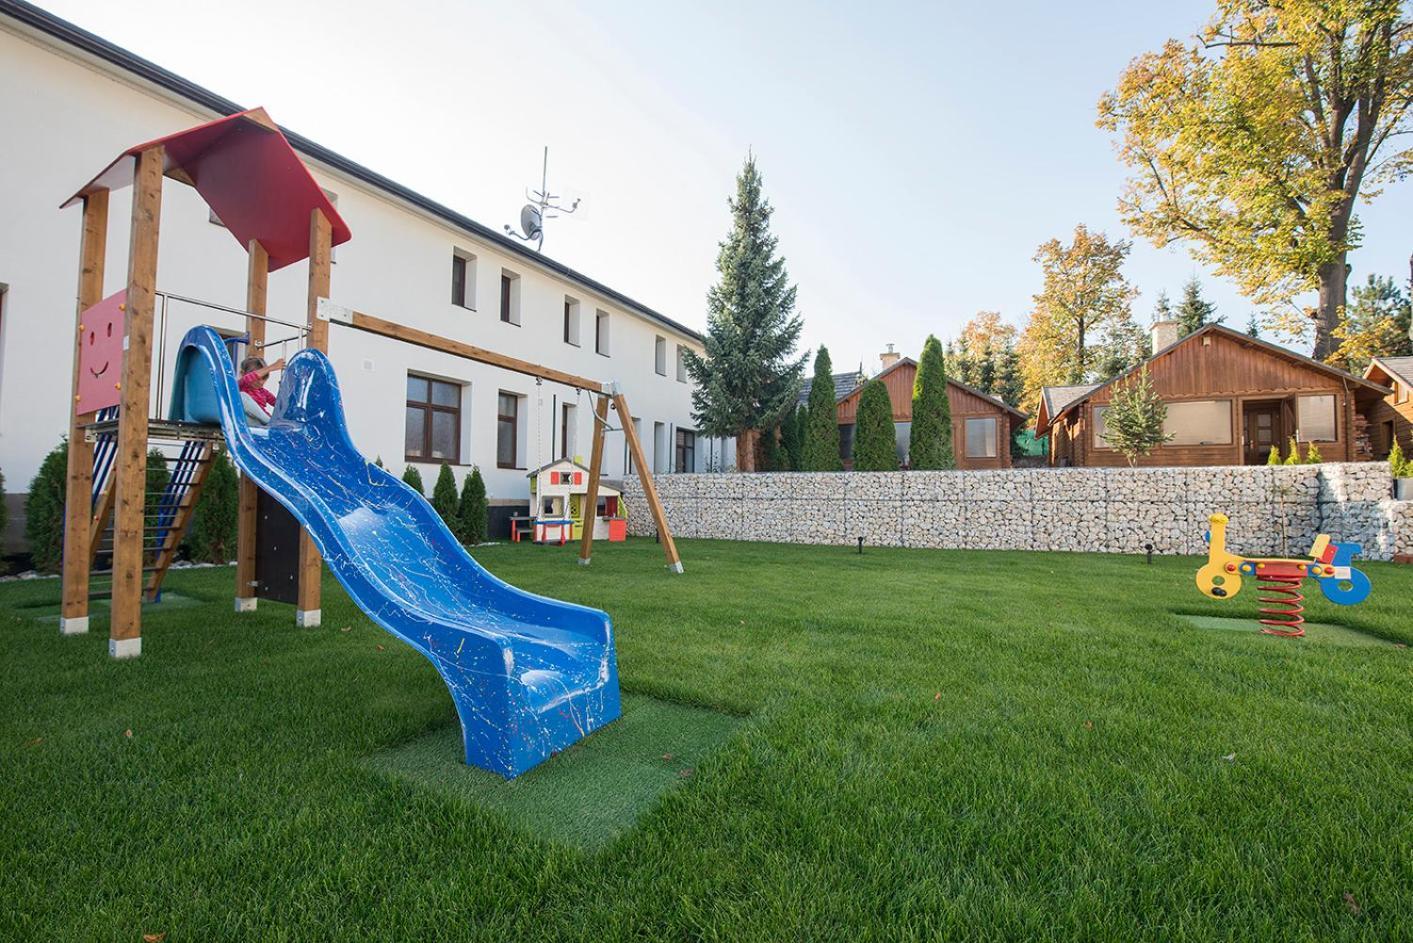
189,451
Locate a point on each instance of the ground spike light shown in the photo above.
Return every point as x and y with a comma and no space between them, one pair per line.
542,206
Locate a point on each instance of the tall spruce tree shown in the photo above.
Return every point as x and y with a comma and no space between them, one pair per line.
821,445
875,437
931,441
1193,311
791,445
44,510
750,376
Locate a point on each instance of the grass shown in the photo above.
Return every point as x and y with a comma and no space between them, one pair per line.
940,745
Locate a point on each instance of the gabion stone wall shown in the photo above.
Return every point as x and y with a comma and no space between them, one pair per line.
1115,510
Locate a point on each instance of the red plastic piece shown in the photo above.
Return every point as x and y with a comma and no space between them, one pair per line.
101,354
248,174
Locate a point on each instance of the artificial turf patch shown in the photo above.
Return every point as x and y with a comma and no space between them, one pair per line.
587,795
1318,633
98,608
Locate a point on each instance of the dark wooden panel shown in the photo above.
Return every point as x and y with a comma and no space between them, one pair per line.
277,551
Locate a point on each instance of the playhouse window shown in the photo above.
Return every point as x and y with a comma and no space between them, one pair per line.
681,364
463,279
509,297
981,437
601,333
660,356
433,432
571,321
686,451
507,430
1315,418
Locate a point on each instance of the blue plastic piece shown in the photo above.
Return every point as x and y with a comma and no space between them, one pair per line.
529,675
1359,585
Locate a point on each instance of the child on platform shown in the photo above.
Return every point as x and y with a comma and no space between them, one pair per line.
258,400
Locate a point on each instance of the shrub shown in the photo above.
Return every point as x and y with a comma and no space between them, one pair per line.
1398,465
821,445
44,510
1313,456
474,511
1274,458
413,478
875,438
378,461
930,445
212,538
1293,456
1133,423
444,499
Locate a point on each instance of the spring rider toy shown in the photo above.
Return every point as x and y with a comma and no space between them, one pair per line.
1280,579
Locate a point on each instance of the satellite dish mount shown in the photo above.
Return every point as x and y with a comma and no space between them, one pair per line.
543,205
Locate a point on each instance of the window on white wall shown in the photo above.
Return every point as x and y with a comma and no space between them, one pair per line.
601,333
571,321
686,452
659,456
628,463
433,424
1201,422
567,430
681,364
509,297
463,279
1315,418
508,431
660,356
981,437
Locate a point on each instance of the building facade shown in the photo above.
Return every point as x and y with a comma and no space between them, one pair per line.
75,101
1230,399
1391,419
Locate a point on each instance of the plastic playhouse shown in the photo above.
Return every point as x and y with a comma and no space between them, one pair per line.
558,493
1280,579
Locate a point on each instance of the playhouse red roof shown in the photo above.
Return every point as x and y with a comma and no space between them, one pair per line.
248,174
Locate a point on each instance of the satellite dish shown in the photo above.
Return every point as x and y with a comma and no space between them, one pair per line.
530,223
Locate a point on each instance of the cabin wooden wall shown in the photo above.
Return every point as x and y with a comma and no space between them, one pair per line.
1390,411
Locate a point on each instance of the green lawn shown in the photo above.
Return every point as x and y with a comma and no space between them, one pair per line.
938,745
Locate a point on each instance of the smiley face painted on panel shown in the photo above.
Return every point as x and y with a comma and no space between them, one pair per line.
101,353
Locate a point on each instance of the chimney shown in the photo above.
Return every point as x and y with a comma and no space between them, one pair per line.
888,357
1165,334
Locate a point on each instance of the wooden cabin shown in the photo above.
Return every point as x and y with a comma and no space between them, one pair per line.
1392,416
982,425
1230,397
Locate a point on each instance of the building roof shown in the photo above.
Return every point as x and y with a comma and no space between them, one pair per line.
66,32
910,362
1394,368
1055,398
249,176
844,384
1047,418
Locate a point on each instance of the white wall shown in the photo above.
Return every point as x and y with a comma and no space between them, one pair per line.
66,118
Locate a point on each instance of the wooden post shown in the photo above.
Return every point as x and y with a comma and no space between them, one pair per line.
125,629
591,499
78,496
257,283
645,475
310,566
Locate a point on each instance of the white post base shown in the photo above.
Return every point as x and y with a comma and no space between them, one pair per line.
675,567
245,604
584,561
308,620
125,647
78,625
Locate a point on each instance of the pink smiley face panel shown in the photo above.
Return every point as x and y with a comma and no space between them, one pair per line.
101,354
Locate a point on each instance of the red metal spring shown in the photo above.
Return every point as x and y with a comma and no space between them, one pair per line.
1281,611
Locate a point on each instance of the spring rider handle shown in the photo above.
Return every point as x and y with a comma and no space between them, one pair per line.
1220,577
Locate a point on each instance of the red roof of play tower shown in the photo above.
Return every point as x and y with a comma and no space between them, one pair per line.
248,174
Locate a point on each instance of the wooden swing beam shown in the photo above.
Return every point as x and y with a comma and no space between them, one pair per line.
604,394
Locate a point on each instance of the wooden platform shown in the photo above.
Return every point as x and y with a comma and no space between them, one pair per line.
169,429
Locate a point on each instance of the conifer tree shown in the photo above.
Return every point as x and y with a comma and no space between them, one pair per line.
1313,456
44,510
790,441
444,499
412,477
1193,311
930,444
1133,423
749,377
212,538
1398,465
821,446
473,509
1274,456
1293,456
1253,326
875,437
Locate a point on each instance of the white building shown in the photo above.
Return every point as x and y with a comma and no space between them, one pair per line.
70,102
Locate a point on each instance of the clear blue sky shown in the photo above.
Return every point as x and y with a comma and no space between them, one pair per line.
916,156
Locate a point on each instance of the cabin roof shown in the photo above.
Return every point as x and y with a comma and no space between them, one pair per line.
1391,368
910,362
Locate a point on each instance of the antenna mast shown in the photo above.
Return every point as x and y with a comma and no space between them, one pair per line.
543,206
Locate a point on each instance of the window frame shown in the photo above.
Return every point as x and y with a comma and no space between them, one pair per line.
509,297
467,263
660,355
514,420
602,336
682,376
572,330
684,444
1209,443
428,408
994,439
566,421
1334,416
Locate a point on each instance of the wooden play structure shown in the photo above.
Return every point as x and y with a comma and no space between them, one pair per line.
558,493
1280,579
248,174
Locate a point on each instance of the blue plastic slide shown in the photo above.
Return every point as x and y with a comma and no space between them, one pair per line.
529,675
